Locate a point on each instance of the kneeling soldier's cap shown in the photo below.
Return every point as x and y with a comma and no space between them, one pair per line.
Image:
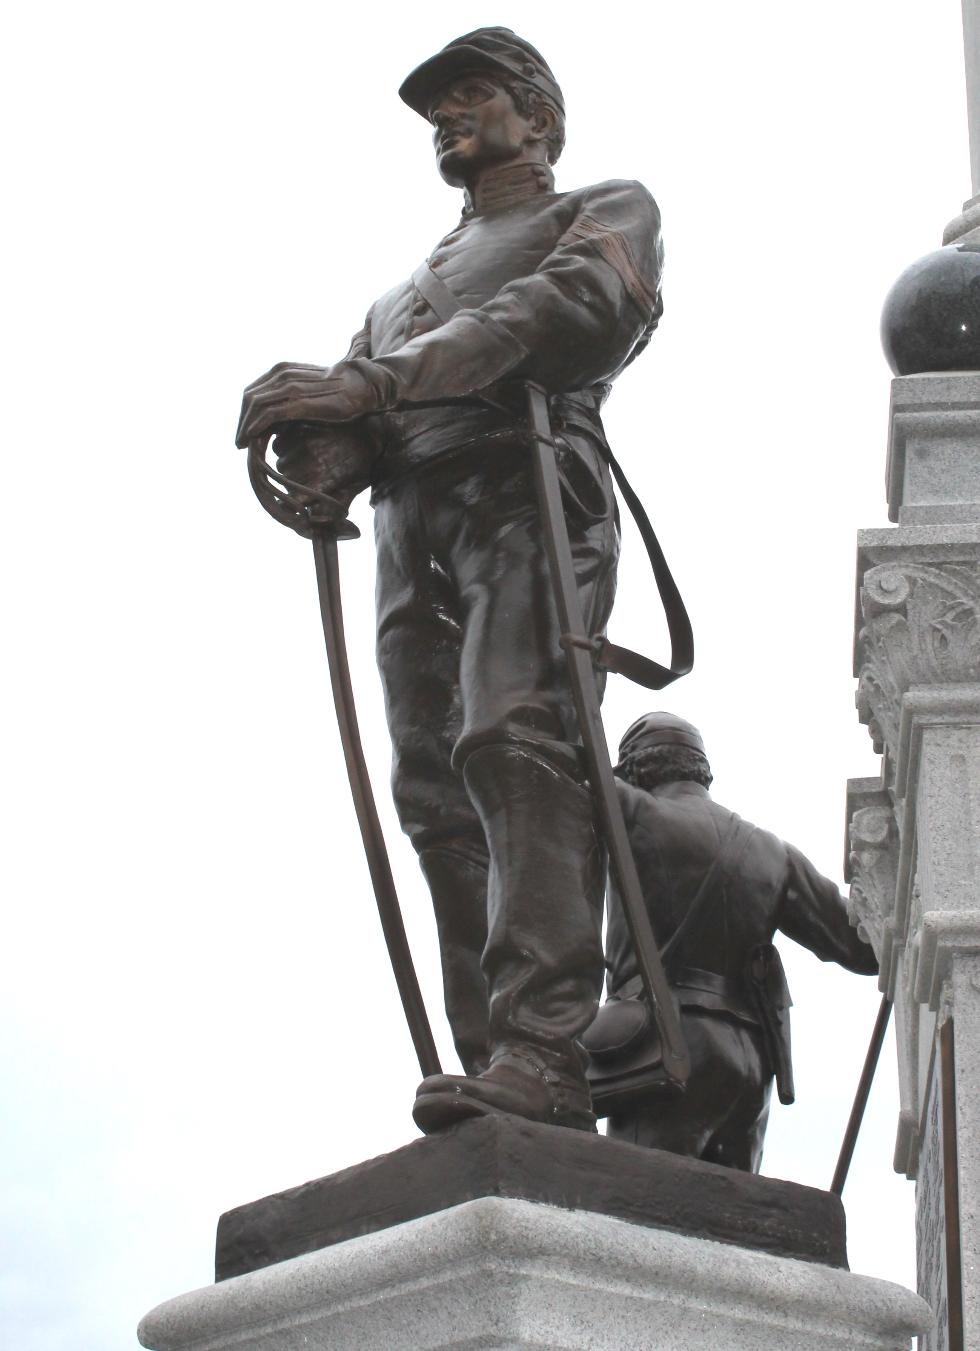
659,729
497,51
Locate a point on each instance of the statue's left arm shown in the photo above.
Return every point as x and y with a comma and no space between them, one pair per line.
813,912
573,322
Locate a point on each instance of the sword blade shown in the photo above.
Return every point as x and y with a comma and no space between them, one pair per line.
393,927
585,693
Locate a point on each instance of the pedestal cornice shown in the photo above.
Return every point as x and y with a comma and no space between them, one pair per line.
506,1273
932,474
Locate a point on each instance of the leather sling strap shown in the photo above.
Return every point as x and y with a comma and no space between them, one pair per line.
623,660
608,656
435,293
726,855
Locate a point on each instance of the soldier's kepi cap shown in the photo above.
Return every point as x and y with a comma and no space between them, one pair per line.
658,729
497,51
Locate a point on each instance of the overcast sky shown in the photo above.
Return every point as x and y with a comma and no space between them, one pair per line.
195,996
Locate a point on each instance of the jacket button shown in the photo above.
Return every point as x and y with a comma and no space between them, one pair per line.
420,307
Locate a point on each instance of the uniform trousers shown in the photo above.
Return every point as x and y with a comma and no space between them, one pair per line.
481,719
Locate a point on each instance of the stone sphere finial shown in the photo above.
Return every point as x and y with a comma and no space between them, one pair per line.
931,318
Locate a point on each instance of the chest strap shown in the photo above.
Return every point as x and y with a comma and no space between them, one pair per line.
435,293
723,863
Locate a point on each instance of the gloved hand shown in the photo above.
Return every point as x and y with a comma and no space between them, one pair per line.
323,395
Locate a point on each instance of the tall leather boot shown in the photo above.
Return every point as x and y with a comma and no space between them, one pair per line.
458,883
543,960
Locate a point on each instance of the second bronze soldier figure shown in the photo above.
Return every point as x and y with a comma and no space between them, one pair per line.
717,890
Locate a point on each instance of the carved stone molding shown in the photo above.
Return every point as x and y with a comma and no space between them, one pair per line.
873,867
943,936
921,626
906,1157
933,471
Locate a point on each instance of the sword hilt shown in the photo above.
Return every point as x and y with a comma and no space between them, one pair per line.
307,510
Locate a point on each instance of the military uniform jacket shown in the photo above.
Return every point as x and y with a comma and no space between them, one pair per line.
764,886
560,288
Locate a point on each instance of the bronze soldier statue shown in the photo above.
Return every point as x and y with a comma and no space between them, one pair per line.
717,890
562,289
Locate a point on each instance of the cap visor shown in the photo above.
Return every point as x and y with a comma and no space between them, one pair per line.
421,87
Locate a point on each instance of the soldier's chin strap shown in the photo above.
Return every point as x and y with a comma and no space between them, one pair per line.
606,655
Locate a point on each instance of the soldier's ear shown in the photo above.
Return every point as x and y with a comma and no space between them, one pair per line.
544,122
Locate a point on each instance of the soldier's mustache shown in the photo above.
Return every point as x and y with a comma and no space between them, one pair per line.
450,130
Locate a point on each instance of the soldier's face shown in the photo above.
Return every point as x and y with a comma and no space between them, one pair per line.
476,126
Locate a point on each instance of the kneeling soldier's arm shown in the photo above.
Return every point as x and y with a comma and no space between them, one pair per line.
813,913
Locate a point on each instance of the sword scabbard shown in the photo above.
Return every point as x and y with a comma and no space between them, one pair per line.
580,652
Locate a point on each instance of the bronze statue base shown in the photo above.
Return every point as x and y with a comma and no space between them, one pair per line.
505,1156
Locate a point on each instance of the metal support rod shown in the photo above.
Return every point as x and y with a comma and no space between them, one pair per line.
861,1097
951,1188
586,696
331,612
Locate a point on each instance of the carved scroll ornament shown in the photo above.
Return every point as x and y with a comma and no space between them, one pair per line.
874,872
921,627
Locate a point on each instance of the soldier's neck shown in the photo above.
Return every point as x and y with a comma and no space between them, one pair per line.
682,788
506,184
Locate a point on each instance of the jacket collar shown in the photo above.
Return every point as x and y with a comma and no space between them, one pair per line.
508,185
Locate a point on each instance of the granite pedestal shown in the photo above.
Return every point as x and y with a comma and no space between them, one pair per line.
914,832
506,1274
504,1234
